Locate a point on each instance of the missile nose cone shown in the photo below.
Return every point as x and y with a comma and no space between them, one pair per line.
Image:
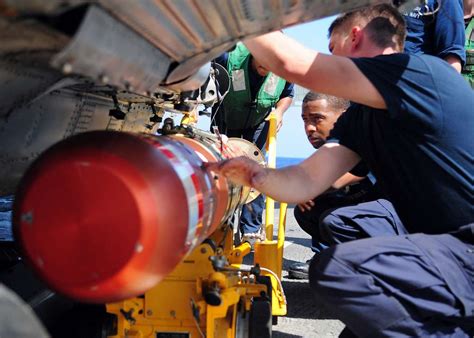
104,216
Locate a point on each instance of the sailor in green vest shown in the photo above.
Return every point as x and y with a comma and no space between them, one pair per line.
253,93
468,70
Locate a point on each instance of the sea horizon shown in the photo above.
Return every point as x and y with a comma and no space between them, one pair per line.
287,161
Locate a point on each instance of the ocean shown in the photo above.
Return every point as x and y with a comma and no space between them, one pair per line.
286,161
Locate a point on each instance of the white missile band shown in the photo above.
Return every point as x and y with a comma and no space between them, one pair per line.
193,191
193,195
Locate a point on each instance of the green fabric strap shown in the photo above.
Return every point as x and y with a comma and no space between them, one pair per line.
239,110
468,70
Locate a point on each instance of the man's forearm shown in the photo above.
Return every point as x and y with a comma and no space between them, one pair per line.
321,73
454,61
283,105
346,179
280,108
300,183
295,184
289,184
275,50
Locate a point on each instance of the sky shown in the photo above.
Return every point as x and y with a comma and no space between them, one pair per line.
291,140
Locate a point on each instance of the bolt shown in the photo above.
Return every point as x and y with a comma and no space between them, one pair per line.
27,217
67,68
237,254
40,262
173,313
128,86
104,79
149,312
138,247
203,250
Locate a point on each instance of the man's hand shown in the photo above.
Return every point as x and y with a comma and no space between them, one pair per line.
280,108
293,184
240,170
306,206
278,117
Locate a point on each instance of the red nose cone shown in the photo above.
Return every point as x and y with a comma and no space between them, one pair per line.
87,217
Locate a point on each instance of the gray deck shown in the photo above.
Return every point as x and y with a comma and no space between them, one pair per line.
304,319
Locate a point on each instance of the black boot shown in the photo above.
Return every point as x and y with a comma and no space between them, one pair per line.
299,270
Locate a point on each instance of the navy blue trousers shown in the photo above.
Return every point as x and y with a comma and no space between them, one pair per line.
394,284
325,209
251,217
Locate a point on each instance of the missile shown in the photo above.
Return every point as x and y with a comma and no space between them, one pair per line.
104,216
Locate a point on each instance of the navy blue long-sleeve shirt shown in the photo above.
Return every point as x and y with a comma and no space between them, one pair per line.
439,34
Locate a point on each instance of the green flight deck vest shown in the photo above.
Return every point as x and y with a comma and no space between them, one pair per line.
468,70
240,112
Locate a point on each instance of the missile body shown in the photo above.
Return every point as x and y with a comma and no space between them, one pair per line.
104,216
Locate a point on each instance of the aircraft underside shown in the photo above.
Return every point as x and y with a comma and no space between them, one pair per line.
73,66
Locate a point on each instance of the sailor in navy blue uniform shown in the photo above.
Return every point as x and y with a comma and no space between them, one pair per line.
412,124
437,28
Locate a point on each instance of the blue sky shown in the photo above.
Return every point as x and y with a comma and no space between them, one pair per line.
291,141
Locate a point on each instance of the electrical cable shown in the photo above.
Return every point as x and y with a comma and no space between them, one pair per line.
278,280
195,319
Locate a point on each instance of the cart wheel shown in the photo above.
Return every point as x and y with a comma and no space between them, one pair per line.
260,319
86,321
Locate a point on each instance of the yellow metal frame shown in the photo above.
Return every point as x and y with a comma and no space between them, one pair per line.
177,304
269,253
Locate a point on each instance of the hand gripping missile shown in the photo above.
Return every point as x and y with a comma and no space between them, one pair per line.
104,216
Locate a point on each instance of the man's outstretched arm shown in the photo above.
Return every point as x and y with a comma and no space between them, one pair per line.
293,184
322,73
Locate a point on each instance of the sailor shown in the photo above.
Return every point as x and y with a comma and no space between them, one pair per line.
437,28
319,113
411,123
253,93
